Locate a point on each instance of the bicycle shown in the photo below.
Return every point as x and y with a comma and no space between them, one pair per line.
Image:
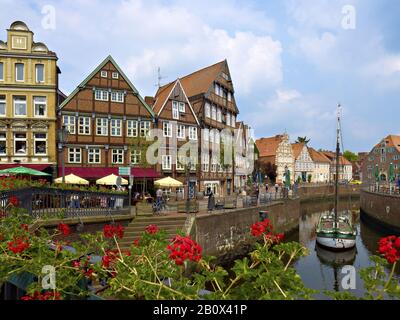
158,207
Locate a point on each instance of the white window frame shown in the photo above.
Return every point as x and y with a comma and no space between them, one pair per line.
26,107
117,96
213,112
167,129
144,128
104,74
102,124
16,72
1,71
94,155
233,120
101,95
136,156
230,96
132,128
217,136
116,130
115,75
3,101
193,133
37,103
206,134
205,162
166,162
207,110
3,139
20,139
36,73
180,131
228,118
175,110
35,139
70,124
84,126
182,107
179,165
118,155
74,154
219,115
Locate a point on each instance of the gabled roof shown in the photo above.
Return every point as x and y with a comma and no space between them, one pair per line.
93,73
297,148
317,156
163,95
391,141
267,146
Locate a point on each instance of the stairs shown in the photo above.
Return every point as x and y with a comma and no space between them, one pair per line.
136,228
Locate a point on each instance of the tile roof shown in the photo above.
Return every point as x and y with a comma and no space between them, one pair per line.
268,146
317,156
391,141
297,148
162,95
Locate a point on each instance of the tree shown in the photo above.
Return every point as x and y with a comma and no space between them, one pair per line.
303,140
351,156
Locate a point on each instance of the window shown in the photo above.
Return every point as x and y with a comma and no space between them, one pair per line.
192,133
180,163
217,89
117,156
228,119
166,162
40,106
205,159
180,131
101,95
74,155
3,143
1,71
2,105
229,96
40,143
214,165
94,155
181,107
19,72
69,122
208,110
233,121
175,110
102,127
115,75
116,127
39,73
206,134
167,129
214,113
212,135
117,96
219,115
144,128
135,156
396,157
20,144
132,128
217,137
104,74
84,125
20,106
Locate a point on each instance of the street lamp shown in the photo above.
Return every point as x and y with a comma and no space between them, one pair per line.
63,134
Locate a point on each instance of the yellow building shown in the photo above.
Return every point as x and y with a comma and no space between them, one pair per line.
28,101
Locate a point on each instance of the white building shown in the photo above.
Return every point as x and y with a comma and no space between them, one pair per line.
322,166
303,163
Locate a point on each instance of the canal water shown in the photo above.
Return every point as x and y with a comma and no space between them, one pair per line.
322,269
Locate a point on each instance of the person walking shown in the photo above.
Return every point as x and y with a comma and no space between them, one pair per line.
211,201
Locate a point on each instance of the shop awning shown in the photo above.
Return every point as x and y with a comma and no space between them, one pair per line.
38,167
96,173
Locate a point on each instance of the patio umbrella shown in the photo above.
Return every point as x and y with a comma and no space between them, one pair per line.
168,182
392,175
23,170
111,180
72,179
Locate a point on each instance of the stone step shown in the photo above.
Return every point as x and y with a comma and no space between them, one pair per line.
159,224
152,220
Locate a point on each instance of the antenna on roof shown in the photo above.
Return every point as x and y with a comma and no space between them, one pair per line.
159,78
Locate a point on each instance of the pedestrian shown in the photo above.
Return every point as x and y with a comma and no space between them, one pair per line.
276,187
266,188
211,201
159,195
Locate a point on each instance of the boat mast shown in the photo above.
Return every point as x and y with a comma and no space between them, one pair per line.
337,164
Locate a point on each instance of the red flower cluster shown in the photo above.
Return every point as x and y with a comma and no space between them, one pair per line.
49,295
260,228
18,245
184,248
111,256
389,247
14,201
152,229
25,227
136,242
109,231
64,229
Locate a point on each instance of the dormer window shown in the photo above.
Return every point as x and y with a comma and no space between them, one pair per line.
181,107
115,75
104,74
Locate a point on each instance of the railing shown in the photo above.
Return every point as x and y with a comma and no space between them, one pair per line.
383,189
49,202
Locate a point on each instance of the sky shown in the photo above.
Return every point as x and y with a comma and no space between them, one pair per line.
291,61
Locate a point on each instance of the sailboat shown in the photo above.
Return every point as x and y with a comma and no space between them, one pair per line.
334,231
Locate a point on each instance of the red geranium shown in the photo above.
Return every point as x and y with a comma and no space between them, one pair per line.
109,231
136,242
49,295
64,229
260,228
13,201
184,248
25,227
389,247
152,229
18,245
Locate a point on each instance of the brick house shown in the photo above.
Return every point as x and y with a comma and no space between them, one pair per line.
103,114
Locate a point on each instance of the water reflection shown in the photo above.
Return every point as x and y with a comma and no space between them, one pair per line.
322,269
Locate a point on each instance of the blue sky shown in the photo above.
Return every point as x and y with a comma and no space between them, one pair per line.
291,61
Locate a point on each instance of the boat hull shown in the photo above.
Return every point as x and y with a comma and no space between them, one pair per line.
336,243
